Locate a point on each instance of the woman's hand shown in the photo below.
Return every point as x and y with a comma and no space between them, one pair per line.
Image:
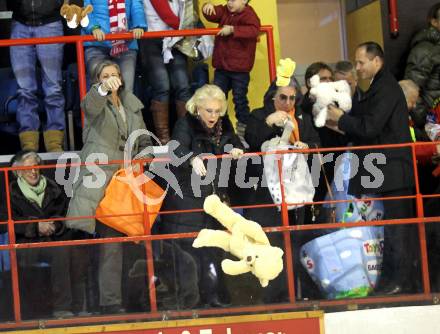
138,33
198,166
98,34
277,118
301,145
208,9
111,84
236,153
46,229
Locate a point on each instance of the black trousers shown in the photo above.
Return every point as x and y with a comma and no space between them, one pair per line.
400,254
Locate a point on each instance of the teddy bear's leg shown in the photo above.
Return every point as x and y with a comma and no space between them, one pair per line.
321,118
213,238
214,207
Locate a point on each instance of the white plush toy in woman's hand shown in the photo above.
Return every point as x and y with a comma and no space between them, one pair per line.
327,93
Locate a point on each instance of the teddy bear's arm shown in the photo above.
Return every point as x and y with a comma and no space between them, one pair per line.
213,238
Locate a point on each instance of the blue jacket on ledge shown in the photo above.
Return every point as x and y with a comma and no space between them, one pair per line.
100,18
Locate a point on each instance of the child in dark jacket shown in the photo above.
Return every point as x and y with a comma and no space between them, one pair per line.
234,52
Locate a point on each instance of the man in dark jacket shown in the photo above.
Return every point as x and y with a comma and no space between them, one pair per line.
35,19
423,66
380,117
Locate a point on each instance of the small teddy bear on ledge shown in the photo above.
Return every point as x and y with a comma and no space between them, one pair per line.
75,15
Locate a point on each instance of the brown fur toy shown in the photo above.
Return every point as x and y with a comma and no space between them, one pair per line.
75,15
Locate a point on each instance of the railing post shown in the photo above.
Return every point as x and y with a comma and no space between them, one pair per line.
421,225
149,251
13,254
81,74
271,52
286,234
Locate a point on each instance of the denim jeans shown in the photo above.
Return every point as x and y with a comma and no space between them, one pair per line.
165,77
126,61
23,61
238,82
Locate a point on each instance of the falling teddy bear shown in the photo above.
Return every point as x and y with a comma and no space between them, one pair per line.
244,239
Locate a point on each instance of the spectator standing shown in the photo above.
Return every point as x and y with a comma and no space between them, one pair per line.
114,16
36,19
344,70
380,117
205,129
423,68
167,71
281,102
112,114
234,52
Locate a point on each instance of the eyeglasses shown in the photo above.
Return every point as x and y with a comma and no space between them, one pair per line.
284,98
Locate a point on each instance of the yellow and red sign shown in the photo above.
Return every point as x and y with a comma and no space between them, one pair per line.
278,323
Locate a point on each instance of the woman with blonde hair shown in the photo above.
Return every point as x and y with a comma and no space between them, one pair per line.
205,129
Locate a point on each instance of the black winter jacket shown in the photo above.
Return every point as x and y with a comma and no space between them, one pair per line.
54,205
35,12
380,117
194,140
257,131
423,67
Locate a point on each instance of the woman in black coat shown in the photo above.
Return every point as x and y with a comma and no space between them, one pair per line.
280,104
205,129
265,123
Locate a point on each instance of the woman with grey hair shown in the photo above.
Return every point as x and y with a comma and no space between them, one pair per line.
34,196
205,129
112,114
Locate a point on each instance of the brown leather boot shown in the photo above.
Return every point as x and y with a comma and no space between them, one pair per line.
180,108
160,111
29,140
54,140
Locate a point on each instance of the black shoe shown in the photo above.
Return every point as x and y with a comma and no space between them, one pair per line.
112,309
215,302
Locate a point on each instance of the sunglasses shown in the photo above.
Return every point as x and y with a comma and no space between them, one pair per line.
284,97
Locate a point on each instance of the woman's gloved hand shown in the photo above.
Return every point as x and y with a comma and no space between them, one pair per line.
198,166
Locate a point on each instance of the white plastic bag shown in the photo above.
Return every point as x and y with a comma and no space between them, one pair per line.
297,180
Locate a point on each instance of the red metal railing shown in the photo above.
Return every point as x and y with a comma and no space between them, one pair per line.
13,247
285,228
79,41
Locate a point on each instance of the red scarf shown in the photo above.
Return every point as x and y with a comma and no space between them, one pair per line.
118,23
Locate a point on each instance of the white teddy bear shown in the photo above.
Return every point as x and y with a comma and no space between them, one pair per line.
327,93
245,240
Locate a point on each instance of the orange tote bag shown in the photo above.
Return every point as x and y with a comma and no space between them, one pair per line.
120,199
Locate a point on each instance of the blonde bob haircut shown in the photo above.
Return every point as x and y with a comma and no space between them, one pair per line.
203,94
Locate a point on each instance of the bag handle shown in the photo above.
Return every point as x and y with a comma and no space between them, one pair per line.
288,128
329,189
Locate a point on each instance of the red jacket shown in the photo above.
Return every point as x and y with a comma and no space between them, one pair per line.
236,52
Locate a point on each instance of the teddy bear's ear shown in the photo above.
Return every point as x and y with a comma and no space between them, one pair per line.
87,10
264,282
314,81
63,10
